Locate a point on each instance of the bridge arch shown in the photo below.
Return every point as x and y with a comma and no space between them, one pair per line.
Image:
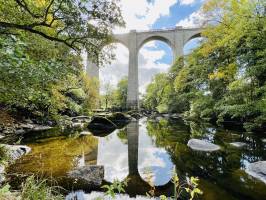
192,34
143,41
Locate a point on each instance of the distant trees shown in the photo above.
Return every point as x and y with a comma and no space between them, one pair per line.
116,98
223,79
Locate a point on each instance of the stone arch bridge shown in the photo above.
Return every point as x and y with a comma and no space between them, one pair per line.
134,40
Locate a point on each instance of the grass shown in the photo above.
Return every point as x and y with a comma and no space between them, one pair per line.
38,189
32,189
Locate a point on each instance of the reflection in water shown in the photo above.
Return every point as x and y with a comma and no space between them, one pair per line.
155,164
146,152
112,154
58,155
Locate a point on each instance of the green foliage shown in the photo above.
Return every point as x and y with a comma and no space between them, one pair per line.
224,78
34,83
116,98
4,191
190,186
3,155
116,186
34,189
82,24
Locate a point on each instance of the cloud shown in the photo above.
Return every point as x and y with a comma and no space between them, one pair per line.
141,14
111,74
186,2
195,19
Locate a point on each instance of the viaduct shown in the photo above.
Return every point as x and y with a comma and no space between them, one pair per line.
134,40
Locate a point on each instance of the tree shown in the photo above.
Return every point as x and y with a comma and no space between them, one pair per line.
224,78
79,24
108,97
121,93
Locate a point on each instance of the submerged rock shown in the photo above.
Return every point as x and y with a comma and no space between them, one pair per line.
201,145
101,125
238,144
258,170
17,151
92,175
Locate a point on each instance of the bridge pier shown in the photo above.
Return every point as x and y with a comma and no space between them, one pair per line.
92,69
133,91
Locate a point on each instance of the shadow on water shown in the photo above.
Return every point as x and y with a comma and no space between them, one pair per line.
145,152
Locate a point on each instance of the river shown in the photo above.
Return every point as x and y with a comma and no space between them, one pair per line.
146,152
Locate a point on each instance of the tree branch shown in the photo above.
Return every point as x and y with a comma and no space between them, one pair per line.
30,29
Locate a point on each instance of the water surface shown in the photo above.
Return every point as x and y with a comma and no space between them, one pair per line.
145,152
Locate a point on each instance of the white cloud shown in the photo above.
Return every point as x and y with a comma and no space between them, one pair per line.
186,2
142,14
116,70
195,19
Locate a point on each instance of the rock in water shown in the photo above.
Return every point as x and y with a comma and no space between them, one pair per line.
258,170
201,145
120,119
238,144
17,151
92,175
100,126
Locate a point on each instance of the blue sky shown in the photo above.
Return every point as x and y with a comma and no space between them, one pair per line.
154,57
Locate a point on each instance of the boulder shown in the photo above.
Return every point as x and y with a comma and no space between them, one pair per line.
264,140
41,128
81,119
92,175
119,117
201,145
134,114
238,144
101,125
257,170
17,151
175,116
2,173
26,126
85,133
20,131
2,136
78,125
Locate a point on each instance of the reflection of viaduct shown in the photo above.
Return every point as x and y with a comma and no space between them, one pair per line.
136,184
175,38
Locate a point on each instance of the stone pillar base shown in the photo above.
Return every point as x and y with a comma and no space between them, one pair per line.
132,105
